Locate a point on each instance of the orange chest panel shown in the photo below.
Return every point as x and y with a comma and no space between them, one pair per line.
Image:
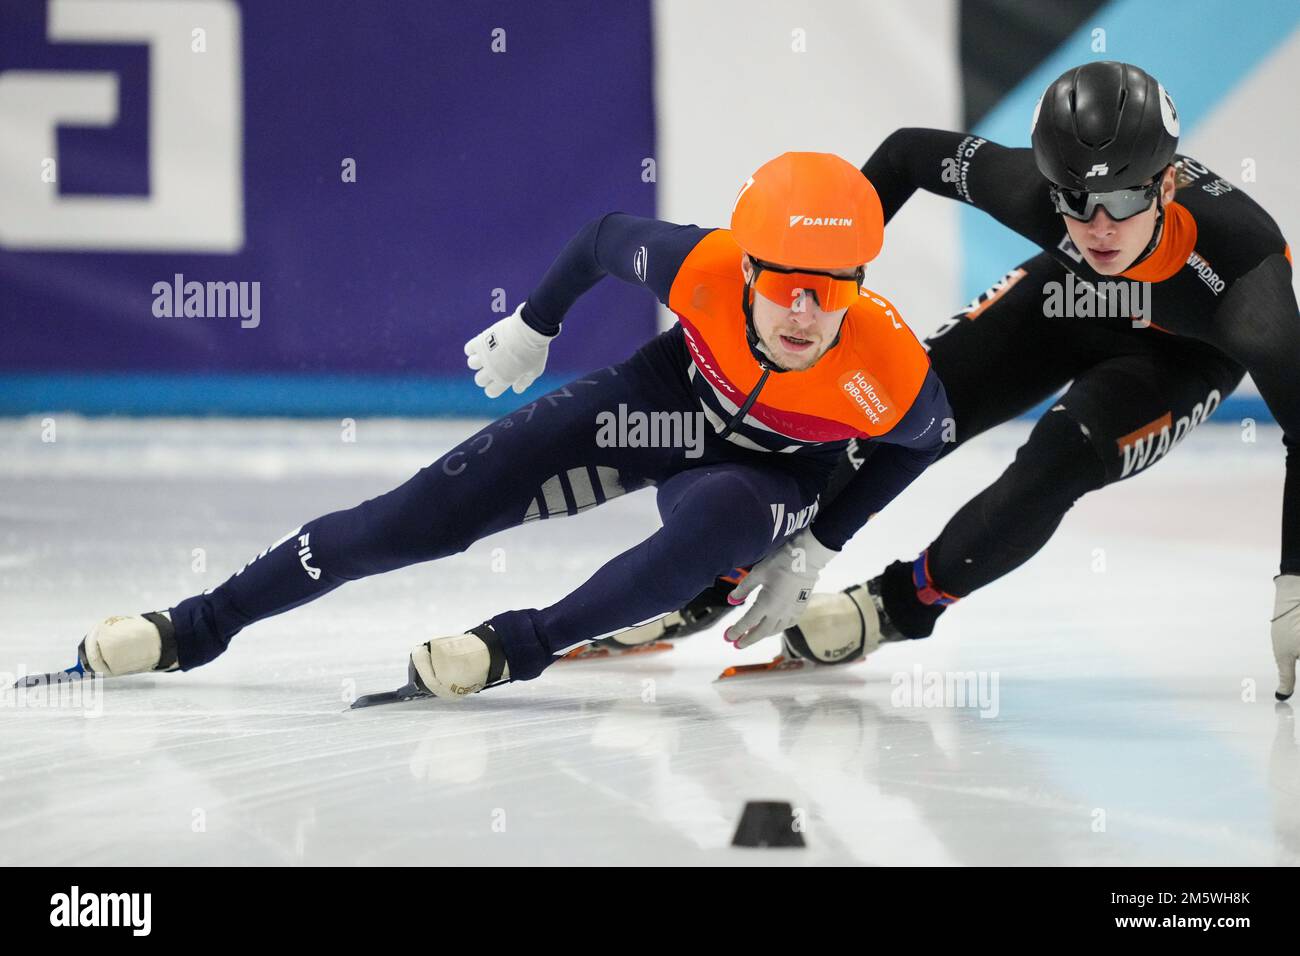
861,387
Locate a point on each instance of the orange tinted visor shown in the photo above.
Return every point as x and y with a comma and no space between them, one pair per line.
786,289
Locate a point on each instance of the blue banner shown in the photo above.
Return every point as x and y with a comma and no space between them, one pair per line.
232,199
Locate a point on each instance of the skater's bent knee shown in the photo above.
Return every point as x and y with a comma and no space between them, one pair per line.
721,522
1059,461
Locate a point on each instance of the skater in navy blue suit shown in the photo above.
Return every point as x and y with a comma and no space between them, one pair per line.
780,359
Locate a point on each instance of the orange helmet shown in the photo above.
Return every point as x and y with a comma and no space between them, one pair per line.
809,211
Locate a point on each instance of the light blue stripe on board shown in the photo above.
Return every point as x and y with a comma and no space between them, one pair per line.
317,396
255,394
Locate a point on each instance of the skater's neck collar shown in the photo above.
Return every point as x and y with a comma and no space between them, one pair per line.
1170,254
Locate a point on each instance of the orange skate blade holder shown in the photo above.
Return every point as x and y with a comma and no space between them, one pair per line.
778,663
591,652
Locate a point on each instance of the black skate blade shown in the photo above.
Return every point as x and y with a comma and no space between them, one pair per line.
73,673
406,692
401,695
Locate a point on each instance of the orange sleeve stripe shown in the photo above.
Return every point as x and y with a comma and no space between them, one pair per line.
997,292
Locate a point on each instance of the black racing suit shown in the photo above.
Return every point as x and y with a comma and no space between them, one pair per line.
1220,303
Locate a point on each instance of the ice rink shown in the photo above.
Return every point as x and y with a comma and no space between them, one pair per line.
1129,715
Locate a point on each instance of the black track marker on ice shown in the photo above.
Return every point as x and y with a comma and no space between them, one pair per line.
767,823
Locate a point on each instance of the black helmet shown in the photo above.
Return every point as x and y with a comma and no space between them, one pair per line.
1104,126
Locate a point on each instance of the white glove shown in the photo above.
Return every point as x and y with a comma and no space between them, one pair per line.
1286,632
787,577
507,354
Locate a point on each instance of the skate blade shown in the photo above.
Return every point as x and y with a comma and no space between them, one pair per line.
73,673
774,666
405,693
401,695
589,652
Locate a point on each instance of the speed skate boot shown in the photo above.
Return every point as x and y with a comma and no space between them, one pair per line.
134,644
837,628
453,667
842,627
121,645
703,611
460,665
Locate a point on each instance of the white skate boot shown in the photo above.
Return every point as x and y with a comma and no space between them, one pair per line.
453,667
118,645
842,627
460,665
837,628
131,644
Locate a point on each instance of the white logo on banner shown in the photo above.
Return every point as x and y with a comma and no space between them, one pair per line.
196,198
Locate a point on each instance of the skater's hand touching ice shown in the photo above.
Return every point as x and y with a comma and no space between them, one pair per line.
507,354
1286,632
787,577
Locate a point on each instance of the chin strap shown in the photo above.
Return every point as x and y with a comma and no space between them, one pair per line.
1156,235
751,334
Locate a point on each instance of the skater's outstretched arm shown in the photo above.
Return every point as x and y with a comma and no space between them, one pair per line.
640,251
967,168
1258,325
511,353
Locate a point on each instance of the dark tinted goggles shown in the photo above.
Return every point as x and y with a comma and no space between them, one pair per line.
1120,204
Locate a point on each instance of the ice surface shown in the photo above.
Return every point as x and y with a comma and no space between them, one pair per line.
1133,719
